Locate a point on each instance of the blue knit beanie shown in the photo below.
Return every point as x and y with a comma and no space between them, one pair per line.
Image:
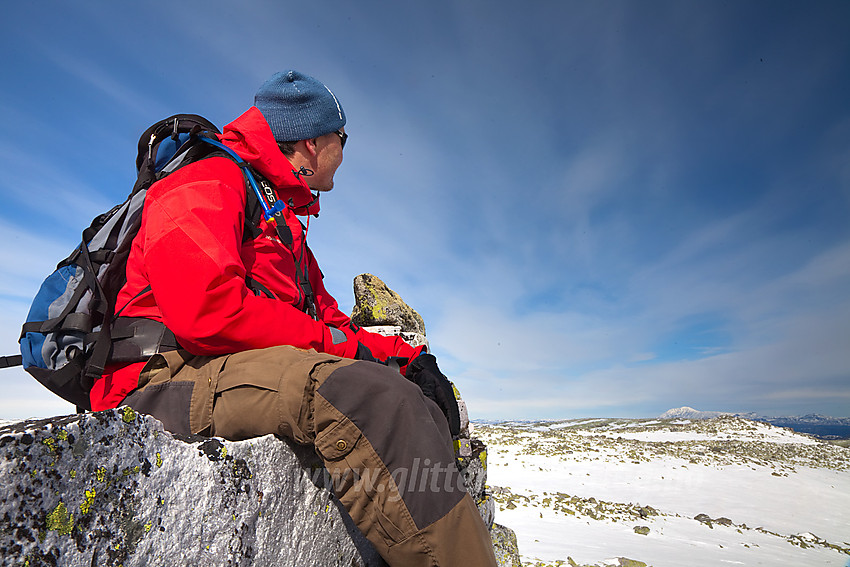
298,107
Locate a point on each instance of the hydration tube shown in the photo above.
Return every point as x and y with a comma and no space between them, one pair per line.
268,211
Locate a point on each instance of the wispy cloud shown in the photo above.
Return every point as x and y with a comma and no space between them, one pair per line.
27,259
104,81
38,193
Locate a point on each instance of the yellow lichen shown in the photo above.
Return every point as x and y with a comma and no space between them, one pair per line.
60,520
129,415
128,471
86,505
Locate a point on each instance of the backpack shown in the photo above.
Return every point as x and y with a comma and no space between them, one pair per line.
72,331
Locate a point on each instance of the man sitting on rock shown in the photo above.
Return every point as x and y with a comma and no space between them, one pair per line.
265,349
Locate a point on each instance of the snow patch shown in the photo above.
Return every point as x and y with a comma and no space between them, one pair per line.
722,491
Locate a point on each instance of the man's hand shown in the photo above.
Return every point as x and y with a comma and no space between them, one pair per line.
423,372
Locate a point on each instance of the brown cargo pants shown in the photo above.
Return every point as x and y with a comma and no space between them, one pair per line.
385,445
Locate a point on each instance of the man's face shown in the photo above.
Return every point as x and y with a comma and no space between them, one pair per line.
328,159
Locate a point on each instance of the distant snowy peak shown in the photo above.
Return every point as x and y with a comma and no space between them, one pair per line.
821,426
690,413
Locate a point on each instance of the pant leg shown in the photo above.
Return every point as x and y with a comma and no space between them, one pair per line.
386,446
412,505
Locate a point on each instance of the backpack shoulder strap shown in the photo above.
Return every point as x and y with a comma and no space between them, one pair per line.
270,210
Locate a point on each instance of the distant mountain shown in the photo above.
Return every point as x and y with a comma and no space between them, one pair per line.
822,426
690,413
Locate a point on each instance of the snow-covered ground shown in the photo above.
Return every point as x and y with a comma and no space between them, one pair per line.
670,493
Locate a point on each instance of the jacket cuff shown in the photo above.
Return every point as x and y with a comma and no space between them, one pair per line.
421,349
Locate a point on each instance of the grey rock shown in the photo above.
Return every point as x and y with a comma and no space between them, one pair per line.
646,511
621,562
376,305
474,472
505,546
113,488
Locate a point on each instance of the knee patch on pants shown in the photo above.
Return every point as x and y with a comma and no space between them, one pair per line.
396,419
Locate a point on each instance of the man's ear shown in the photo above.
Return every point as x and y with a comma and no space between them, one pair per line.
312,146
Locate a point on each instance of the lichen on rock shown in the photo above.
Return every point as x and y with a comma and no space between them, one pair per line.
505,546
377,305
113,488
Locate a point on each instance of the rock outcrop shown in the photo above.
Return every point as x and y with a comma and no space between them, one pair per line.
114,488
377,305
505,546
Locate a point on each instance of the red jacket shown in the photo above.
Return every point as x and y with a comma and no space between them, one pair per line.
188,265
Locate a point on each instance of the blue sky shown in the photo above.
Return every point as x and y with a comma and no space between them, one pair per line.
600,208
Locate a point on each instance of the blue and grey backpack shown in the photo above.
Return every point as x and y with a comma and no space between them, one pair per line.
72,331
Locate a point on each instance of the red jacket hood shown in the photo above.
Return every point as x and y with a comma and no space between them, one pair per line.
251,137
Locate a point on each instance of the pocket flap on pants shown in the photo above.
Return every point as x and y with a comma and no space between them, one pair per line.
338,441
240,373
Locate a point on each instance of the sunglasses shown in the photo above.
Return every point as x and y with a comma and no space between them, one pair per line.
342,138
